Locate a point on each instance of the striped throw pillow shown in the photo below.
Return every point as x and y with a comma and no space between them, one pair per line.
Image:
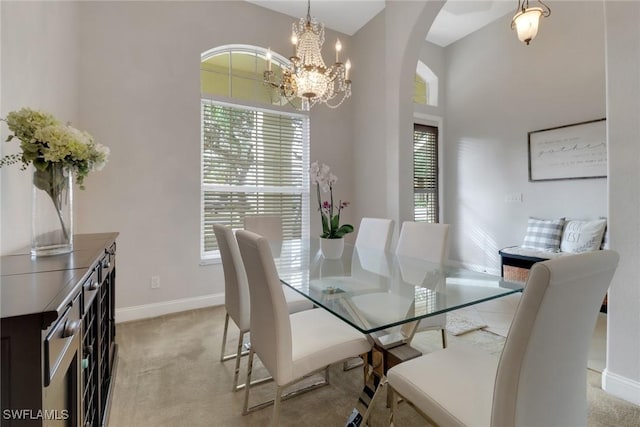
543,234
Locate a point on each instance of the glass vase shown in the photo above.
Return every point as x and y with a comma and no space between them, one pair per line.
52,211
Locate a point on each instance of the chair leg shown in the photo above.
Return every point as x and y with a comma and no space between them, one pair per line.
238,356
394,405
444,338
245,408
224,337
353,363
275,421
281,388
376,395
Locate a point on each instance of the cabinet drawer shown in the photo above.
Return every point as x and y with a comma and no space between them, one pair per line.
107,262
90,289
60,339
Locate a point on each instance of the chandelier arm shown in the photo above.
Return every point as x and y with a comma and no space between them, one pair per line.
523,5
338,104
546,10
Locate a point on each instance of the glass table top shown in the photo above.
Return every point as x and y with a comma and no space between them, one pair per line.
373,290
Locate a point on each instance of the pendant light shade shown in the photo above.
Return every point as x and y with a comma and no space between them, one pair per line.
527,20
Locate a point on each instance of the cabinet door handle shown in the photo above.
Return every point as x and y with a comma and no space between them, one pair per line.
93,285
70,328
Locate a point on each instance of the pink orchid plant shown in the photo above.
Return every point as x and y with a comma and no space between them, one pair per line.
322,177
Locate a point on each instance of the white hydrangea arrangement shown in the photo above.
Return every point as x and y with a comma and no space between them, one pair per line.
58,152
47,143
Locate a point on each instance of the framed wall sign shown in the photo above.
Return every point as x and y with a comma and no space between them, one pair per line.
575,151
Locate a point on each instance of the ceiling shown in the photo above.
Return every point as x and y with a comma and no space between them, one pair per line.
457,18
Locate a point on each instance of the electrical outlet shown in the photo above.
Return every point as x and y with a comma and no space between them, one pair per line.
155,282
513,198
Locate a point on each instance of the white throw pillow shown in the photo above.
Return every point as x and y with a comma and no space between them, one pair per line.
582,236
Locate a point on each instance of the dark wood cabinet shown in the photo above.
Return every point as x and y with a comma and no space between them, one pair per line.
58,331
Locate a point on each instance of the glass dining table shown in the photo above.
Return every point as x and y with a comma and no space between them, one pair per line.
382,295
375,291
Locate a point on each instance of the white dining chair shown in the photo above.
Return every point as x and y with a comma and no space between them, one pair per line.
372,242
540,377
418,241
428,242
375,233
270,226
236,295
290,346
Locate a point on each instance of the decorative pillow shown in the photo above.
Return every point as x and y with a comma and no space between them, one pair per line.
605,237
582,236
543,234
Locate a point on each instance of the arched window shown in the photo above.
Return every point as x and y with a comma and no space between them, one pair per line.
254,159
236,71
425,86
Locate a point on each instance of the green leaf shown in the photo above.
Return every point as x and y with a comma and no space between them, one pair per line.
39,164
335,222
325,224
30,147
345,229
41,181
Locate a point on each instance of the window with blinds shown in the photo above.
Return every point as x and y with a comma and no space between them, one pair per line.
425,173
254,162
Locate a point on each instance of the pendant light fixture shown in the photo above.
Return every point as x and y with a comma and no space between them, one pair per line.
527,19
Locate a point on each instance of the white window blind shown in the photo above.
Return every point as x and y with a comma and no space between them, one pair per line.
254,162
425,173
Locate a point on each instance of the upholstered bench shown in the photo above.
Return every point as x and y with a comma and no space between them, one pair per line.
516,261
547,239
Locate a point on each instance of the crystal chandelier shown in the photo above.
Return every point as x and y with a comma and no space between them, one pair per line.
307,77
526,20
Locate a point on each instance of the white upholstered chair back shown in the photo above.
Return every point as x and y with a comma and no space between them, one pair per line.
542,371
269,226
375,233
236,289
423,240
429,242
270,324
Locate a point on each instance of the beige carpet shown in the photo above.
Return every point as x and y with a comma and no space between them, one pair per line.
459,324
497,315
169,375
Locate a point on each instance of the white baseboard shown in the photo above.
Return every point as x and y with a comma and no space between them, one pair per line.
145,311
621,387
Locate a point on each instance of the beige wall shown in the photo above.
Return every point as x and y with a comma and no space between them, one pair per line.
622,375
39,70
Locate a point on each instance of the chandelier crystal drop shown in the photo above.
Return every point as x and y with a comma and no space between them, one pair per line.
526,20
307,77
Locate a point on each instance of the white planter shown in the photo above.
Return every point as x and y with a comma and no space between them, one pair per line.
331,248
